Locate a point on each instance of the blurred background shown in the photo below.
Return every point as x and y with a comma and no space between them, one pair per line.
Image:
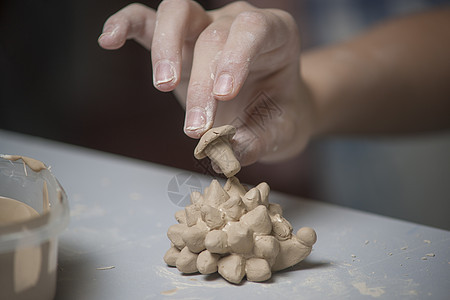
57,83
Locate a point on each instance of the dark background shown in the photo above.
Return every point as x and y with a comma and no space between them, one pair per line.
57,83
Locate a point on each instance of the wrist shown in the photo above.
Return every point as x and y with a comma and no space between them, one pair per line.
334,77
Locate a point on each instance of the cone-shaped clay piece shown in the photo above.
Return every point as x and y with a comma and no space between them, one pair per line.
232,268
234,188
194,238
258,220
171,256
215,194
180,216
216,241
240,238
264,190
215,143
207,262
212,217
174,234
257,269
233,208
252,199
267,247
196,197
187,261
192,214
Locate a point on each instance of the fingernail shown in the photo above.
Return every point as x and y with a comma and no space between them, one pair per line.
223,85
109,31
103,35
195,119
164,72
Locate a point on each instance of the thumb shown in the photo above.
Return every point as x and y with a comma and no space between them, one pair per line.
247,145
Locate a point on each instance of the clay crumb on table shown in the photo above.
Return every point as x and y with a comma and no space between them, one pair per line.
105,268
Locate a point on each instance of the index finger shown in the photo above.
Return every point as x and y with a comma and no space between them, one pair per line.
176,22
135,21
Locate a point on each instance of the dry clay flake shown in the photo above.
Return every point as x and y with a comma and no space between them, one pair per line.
236,232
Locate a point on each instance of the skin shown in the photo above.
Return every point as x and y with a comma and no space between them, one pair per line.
392,79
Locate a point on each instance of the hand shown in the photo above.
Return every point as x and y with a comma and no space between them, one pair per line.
235,65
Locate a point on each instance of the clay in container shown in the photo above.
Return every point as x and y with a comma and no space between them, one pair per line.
13,211
28,252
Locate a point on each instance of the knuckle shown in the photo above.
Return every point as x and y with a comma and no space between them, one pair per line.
118,18
240,6
173,4
196,92
235,61
213,35
290,26
253,17
135,6
247,145
288,19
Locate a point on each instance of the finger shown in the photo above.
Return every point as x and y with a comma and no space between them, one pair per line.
134,21
247,144
177,21
252,34
200,103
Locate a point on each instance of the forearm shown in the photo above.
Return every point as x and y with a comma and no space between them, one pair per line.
392,79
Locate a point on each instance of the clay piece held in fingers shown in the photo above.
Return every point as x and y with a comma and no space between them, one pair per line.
215,144
234,230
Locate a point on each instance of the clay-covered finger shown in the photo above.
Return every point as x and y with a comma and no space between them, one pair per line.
253,34
200,103
134,21
177,21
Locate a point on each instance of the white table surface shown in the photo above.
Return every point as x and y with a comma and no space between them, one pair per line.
120,212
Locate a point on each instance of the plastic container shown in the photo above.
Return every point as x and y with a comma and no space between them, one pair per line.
29,248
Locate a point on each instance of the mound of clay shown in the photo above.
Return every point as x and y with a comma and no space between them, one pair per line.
235,231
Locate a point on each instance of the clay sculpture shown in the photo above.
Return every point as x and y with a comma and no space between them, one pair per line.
235,231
